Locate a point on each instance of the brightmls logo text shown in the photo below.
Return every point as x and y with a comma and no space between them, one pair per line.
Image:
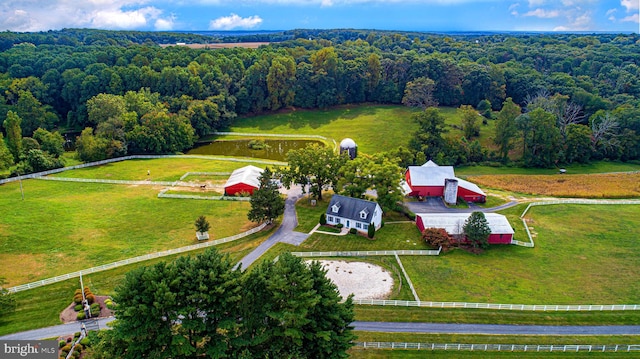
29,349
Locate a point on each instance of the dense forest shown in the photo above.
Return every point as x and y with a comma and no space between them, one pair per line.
561,98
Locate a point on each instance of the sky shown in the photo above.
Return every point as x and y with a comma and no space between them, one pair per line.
408,15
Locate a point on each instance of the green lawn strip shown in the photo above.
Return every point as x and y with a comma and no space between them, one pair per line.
377,313
159,169
63,227
363,124
497,339
393,236
360,353
493,201
594,167
41,307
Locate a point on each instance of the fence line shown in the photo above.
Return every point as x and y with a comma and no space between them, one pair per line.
135,157
368,253
499,347
137,259
516,307
531,244
406,276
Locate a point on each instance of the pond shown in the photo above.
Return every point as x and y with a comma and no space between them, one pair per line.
270,149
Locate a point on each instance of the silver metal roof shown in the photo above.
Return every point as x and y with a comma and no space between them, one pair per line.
453,223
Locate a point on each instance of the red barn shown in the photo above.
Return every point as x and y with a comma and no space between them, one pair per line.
453,223
431,180
245,179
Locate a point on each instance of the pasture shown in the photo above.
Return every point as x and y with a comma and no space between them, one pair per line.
579,250
62,227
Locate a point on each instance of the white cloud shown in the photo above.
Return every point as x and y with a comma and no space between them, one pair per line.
536,3
631,18
234,21
576,22
164,24
542,13
630,5
38,15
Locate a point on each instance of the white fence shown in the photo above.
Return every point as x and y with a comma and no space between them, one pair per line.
565,201
520,307
204,174
142,258
368,253
499,347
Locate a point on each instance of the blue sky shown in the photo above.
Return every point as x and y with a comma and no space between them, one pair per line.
419,15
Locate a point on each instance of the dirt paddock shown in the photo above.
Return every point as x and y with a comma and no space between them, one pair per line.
364,280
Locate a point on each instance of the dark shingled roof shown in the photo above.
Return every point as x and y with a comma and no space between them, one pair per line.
350,208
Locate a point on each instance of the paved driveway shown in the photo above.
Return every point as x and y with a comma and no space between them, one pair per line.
436,205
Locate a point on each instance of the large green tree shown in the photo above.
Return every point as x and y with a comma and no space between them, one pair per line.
470,121
291,310
266,202
51,142
429,138
14,134
315,166
6,158
419,93
506,127
542,139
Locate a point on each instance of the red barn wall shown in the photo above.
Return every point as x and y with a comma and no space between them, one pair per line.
470,196
500,238
238,188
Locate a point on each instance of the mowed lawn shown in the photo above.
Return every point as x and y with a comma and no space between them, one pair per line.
584,254
62,227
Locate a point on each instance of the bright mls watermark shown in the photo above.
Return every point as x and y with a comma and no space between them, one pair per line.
29,349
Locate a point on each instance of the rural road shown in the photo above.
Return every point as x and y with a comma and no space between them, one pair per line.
387,327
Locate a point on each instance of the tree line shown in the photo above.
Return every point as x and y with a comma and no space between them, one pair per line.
49,80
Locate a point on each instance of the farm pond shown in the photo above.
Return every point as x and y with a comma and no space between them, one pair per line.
271,149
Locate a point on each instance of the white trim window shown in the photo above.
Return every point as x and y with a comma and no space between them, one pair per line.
329,218
366,226
358,225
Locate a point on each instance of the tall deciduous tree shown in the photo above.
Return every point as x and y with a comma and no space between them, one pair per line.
506,127
470,121
280,82
541,139
14,134
419,93
428,139
476,228
102,107
578,144
313,165
266,202
6,158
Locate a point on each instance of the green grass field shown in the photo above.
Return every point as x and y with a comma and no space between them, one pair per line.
160,169
364,124
63,227
41,307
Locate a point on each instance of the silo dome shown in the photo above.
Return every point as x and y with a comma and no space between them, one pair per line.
349,146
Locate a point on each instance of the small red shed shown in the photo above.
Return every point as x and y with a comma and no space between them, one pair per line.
245,179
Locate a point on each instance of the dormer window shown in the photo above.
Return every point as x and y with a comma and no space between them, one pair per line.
364,213
335,208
